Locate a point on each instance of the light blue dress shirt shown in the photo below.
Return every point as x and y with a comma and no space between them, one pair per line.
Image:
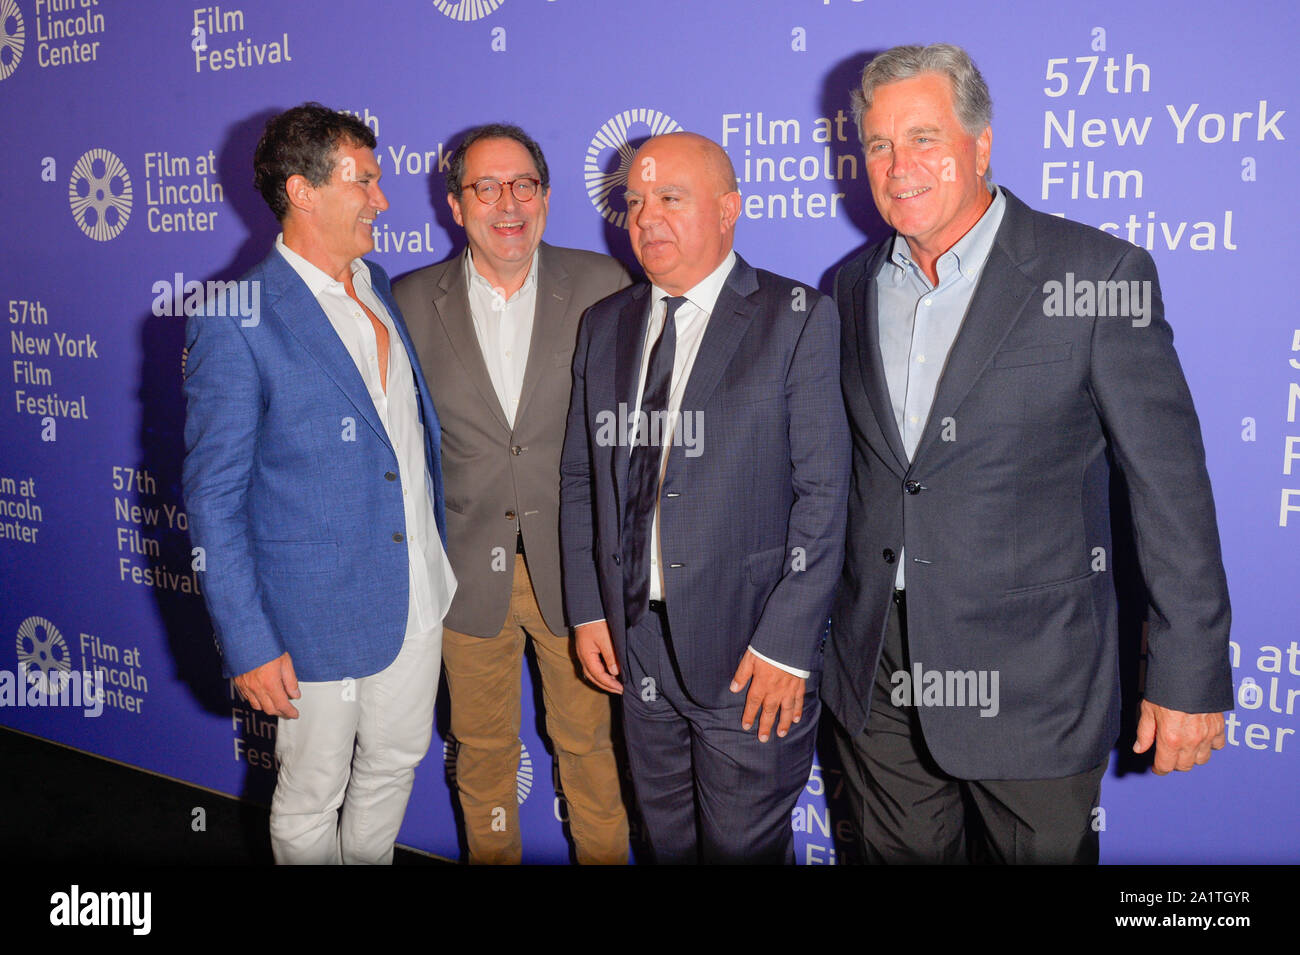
919,323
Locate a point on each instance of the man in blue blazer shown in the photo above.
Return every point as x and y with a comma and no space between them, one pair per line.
314,493
702,493
997,364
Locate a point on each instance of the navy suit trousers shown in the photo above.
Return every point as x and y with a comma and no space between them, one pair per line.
708,791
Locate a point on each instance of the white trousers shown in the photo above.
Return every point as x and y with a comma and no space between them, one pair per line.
347,764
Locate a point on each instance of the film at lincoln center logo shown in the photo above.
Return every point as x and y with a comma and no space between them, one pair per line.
467,9
99,191
12,35
41,647
607,177
523,776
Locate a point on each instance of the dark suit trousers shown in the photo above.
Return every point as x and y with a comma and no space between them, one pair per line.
708,791
908,810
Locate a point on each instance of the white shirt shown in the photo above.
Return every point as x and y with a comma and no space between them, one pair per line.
504,327
432,583
690,321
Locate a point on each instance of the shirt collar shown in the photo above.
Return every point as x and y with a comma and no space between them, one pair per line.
968,254
316,278
705,294
474,276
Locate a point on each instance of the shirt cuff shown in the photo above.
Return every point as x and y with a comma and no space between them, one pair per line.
802,674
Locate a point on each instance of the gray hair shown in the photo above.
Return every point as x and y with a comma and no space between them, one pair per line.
970,94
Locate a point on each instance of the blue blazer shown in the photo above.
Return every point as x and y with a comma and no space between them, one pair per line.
752,527
1005,518
290,485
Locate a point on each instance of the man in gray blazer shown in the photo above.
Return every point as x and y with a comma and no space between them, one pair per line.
997,364
495,329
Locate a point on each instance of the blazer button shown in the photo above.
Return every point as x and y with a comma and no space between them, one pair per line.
516,450
397,538
912,487
618,560
889,556
390,476
510,515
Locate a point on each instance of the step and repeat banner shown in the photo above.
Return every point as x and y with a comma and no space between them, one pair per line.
127,186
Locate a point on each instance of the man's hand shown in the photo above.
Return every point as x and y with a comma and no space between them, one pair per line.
1183,740
596,654
771,689
270,687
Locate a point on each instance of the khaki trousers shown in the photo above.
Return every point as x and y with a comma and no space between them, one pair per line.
483,677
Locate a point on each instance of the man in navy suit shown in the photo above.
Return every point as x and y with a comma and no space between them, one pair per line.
314,492
973,666
702,495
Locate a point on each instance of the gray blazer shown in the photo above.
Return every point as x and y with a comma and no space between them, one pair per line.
1005,515
490,472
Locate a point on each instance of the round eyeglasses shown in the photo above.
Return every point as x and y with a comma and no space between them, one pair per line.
489,190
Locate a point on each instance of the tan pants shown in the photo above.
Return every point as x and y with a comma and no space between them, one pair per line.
483,677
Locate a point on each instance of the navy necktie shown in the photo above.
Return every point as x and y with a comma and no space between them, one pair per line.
644,468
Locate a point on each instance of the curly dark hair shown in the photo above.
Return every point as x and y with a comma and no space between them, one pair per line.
456,165
303,141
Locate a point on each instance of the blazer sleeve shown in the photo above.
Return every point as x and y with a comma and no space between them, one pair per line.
795,615
223,421
577,535
1138,387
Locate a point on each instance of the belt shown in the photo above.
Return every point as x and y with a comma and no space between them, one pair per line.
519,542
659,607
900,598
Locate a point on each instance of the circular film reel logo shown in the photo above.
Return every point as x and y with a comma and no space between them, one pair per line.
467,9
604,185
12,36
41,647
523,776
99,191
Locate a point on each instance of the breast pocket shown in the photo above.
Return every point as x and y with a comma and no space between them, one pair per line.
752,392
1037,355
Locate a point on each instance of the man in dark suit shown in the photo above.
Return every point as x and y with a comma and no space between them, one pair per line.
973,654
314,493
701,562
495,329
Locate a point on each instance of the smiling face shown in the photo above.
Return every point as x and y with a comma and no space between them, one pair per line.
681,210
926,171
330,225
504,235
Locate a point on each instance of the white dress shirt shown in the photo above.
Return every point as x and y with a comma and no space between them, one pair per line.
504,327
690,321
432,582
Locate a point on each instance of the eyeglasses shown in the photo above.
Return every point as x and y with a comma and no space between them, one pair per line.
489,190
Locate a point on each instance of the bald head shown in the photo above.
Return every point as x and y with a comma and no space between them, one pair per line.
682,208
708,156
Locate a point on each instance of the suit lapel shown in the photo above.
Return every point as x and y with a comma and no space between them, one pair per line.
866,304
554,290
290,299
727,324
451,305
630,336
1002,294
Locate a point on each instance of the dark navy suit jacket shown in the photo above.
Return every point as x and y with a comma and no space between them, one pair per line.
752,527
1004,510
